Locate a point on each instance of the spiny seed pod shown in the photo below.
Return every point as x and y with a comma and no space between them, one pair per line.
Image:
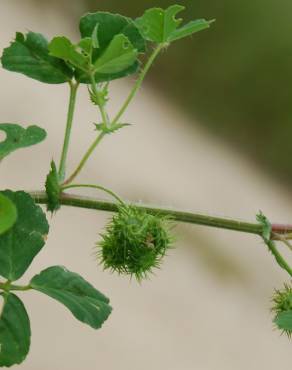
283,309
134,242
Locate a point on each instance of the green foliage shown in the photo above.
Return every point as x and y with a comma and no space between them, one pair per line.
161,26
283,309
29,55
18,137
61,47
53,189
14,331
85,302
106,27
8,214
119,55
134,242
20,244
110,25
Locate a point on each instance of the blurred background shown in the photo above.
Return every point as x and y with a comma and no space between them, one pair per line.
211,134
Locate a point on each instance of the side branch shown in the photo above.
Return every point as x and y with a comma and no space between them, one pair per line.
188,217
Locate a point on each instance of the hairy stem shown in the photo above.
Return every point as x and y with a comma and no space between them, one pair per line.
188,217
138,82
98,187
70,115
103,112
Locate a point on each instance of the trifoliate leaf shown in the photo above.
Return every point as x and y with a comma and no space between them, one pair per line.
85,302
161,26
8,214
14,331
110,129
29,55
20,244
53,189
119,55
110,25
61,47
18,137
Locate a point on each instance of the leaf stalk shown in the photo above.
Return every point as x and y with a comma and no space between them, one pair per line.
72,102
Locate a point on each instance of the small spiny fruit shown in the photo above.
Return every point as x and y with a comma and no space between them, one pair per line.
283,309
134,242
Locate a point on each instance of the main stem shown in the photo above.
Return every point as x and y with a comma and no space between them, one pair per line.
138,82
193,218
70,115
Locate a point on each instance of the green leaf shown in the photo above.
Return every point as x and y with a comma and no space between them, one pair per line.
189,29
110,25
161,26
85,302
61,47
86,46
29,55
14,331
283,320
20,244
8,214
119,55
18,137
53,189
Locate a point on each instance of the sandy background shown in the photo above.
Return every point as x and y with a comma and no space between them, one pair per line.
208,308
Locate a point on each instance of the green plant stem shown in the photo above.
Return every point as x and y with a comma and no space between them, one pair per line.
103,112
104,115
278,257
138,82
84,159
187,217
70,115
108,191
95,143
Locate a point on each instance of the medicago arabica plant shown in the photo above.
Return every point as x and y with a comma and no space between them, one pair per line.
137,237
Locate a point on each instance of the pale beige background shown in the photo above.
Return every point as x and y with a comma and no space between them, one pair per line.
208,308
